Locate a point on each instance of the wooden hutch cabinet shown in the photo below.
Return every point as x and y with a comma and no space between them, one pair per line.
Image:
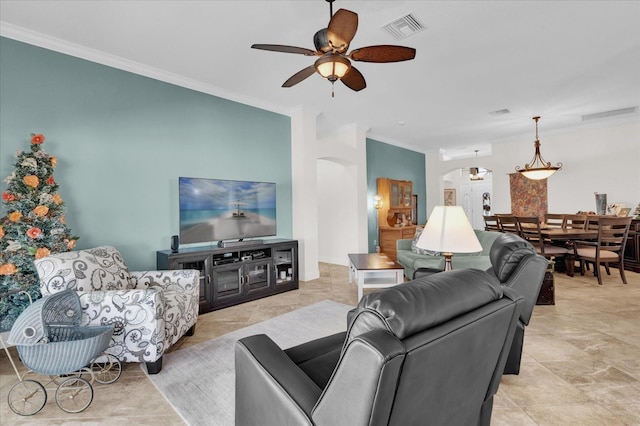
395,219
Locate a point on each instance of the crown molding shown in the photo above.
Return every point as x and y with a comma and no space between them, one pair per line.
82,52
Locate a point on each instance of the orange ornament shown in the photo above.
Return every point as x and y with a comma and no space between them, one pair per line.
8,269
42,252
31,180
15,216
41,211
71,244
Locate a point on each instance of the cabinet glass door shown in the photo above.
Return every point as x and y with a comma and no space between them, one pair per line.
406,194
202,265
256,276
228,281
396,194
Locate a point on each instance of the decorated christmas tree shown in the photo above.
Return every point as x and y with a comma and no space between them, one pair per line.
33,227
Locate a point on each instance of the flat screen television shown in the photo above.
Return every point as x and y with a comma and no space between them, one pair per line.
217,209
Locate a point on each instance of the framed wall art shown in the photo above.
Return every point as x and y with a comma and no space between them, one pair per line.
449,197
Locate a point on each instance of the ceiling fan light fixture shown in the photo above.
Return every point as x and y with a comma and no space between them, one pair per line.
332,66
538,168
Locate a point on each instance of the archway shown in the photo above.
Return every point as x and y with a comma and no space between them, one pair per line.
472,193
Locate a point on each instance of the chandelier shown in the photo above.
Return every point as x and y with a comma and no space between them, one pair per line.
538,168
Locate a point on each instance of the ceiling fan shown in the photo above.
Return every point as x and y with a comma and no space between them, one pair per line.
331,46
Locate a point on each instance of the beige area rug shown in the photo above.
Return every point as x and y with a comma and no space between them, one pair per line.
199,381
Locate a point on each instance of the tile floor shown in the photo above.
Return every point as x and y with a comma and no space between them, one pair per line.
581,362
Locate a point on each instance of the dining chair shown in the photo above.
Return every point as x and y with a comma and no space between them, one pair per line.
554,220
609,247
529,227
508,223
575,221
592,222
491,223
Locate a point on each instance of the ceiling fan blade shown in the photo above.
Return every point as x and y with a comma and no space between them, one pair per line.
383,53
299,76
284,49
354,79
342,28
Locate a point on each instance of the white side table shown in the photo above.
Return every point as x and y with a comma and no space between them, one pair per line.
374,270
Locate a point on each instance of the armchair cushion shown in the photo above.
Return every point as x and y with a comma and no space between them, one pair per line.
100,268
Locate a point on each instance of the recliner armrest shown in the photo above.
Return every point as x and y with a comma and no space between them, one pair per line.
270,388
371,361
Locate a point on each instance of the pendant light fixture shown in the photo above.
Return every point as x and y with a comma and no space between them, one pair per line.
474,172
538,168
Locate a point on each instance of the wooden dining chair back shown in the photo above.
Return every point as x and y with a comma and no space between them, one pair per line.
592,222
575,221
508,223
530,230
491,223
554,220
609,247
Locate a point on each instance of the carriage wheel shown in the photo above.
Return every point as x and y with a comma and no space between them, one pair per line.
74,395
106,369
27,397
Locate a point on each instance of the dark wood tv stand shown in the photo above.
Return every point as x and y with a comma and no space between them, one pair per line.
233,275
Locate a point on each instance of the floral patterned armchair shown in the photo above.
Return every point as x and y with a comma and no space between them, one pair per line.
149,310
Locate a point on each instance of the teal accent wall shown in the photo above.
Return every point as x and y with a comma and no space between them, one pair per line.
389,161
122,140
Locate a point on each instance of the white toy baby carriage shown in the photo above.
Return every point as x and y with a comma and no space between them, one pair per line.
50,341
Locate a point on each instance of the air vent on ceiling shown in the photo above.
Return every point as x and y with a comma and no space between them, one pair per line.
404,27
612,113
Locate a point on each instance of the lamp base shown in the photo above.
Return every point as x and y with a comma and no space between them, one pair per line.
447,261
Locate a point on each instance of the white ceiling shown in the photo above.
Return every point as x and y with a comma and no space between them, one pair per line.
556,59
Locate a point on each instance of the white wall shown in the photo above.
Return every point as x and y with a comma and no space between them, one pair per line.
604,159
342,195
337,221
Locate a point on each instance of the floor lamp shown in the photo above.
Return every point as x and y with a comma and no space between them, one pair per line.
448,231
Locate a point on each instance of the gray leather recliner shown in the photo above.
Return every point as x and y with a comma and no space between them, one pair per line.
430,351
517,265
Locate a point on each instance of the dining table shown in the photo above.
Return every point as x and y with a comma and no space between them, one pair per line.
568,235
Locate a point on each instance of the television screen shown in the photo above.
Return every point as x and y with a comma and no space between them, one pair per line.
216,209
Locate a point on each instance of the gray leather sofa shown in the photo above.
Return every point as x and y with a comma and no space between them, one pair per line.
412,261
429,351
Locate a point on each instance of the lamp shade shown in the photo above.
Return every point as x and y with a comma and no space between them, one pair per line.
332,66
448,231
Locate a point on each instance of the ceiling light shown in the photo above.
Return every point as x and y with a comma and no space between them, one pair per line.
473,171
538,168
332,66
